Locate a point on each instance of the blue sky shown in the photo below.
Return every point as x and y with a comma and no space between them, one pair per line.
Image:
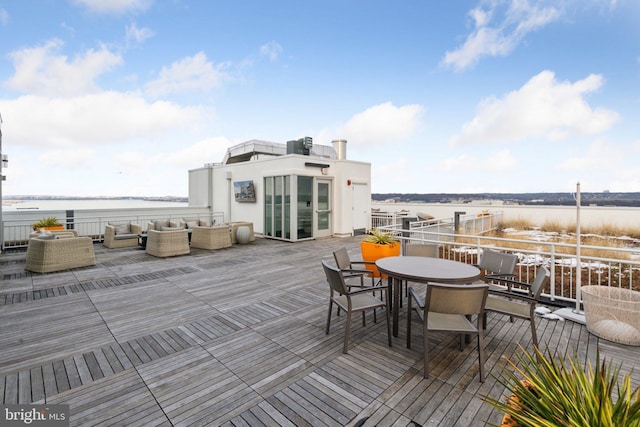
123,97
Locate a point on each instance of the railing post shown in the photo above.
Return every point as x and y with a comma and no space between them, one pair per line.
552,270
406,225
456,220
70,220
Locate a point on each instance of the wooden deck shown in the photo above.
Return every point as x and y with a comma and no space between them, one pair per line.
235,337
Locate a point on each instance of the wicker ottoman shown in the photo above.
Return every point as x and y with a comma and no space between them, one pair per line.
45,256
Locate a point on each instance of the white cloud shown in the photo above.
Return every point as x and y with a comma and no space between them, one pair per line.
115,6
382,123
69,159
108,117
463,162
543,107
4,17
271,50
501,161
159,168
388,177
41,71
599,155
192,73
502,38
137,35
209,150
626,180
131,163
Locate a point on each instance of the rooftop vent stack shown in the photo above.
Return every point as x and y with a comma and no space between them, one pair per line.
340,145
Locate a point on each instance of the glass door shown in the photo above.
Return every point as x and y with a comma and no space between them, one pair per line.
305,207
277,207
323,208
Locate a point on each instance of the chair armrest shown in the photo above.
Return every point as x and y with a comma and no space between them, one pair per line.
514,295
355,271
368,289
505,276
363,262
511,282
135,229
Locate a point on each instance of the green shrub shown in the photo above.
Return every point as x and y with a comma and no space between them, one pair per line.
553,392
46,222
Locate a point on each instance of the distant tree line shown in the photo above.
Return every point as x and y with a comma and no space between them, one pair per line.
554,199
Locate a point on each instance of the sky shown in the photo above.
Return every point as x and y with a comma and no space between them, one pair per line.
124,97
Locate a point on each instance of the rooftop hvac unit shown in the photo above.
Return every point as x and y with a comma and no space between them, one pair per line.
300,146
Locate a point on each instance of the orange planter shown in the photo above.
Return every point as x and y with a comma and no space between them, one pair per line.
374,251
514,402
54,228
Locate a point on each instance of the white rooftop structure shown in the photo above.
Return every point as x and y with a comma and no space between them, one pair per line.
293,191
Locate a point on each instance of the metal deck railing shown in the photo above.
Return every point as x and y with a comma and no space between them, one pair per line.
17,231
599,265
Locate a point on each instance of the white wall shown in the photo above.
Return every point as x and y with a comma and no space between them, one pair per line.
346,173
198,188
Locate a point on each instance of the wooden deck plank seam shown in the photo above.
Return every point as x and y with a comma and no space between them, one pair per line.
58,291
132,353
301,395
59,376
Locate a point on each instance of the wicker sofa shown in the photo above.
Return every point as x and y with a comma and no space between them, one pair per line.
163,225
63,251
121,235
167,243
215,237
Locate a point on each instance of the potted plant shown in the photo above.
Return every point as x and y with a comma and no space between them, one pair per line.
50,223
546,391
376,245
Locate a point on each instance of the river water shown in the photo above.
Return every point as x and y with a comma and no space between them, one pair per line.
31,205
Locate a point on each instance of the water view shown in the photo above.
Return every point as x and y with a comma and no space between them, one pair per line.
73,204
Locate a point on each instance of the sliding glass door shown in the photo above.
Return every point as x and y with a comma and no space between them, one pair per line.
277,207
310,214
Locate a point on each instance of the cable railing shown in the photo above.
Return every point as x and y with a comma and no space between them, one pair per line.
599,265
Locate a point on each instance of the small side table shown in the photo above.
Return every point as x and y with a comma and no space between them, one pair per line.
243,234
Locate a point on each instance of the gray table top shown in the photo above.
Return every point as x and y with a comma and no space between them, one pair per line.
426,269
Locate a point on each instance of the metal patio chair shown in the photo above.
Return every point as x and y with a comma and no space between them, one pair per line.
352,301
519,299
447,308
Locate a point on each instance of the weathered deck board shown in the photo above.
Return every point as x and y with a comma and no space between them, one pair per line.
236,337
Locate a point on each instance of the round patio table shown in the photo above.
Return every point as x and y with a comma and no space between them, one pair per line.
423,270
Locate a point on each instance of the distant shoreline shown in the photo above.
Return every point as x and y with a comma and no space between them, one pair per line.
22,198
605,198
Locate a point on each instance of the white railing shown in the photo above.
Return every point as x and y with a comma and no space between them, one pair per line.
17,228
387,219
608,266
469,224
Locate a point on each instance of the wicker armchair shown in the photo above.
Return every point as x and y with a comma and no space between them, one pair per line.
216,237
64,252
167,243
121,235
